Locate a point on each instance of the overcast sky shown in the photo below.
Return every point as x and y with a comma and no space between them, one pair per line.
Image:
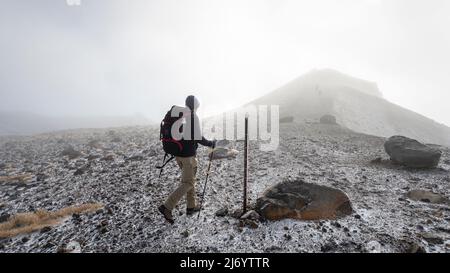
120,57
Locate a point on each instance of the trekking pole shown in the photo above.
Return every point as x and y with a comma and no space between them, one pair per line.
206,182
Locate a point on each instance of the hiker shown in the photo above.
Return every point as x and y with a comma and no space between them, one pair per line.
187,161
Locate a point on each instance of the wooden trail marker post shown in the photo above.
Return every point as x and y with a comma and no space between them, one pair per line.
244,209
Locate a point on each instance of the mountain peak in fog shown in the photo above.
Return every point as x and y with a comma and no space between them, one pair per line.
357,104
327,77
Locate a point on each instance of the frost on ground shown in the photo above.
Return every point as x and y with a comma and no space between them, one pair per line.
117,168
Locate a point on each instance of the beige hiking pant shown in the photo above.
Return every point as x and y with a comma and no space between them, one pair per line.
188,166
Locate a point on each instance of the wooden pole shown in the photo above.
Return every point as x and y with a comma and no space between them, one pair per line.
244,209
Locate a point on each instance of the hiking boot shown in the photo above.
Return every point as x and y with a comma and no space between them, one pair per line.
167,214
191,211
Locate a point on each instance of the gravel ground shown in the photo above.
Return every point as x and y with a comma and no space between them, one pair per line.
116,167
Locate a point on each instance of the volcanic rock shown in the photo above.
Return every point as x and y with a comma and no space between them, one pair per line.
427,197
251,215
328,119
303,201
432,239
222,212
411,153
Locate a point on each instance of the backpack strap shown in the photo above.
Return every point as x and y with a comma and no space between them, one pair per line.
164,164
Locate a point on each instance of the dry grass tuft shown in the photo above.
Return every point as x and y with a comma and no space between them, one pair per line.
32,221
24,178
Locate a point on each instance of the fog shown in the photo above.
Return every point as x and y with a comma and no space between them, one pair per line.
120,57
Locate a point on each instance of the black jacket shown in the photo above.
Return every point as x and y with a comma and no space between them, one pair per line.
190,146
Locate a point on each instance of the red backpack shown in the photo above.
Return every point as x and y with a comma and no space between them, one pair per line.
171,146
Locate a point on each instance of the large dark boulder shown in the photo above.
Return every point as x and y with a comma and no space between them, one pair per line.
328,119
303,201
411,153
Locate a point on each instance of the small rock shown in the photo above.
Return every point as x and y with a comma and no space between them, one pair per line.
41,177
76,217
46,229
248,223
109,211
109,157
236,214
444,229
222,212
427,197
251,215
329,247
78,172
185,233
104,223
416,248
373,247
103,230
432,238
4,217
251,224
25,239
273,249
48,245
93,157
135,158
72,247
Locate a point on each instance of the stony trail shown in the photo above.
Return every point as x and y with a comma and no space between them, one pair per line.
116,167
